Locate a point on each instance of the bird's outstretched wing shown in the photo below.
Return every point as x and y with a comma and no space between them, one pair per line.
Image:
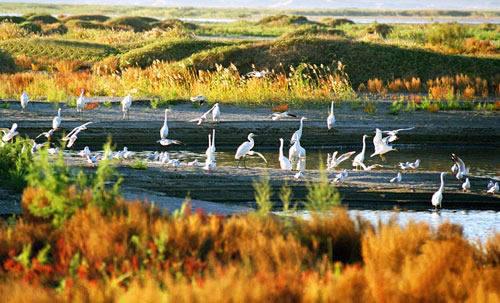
345,156
395,131
251,153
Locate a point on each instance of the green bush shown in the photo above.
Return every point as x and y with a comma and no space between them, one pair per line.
175,24
44,19
171,50
333,22
451,35
15,159
12,19
313,30
7,64
54,29
137,24
57,49
96,18
383,30
31,27
284,20
85,24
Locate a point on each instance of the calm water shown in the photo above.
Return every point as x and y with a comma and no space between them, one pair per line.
477,224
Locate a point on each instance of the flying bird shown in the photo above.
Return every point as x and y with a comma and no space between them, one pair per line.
9,134
282,115
200,100
393,133
335,161
461,170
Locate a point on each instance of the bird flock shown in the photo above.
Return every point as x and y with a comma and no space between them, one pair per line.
296,154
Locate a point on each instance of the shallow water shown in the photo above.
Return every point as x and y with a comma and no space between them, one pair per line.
484,161
477,224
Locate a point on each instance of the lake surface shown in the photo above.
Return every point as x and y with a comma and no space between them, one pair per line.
477,224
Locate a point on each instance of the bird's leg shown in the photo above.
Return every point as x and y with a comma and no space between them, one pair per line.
238,163
245,162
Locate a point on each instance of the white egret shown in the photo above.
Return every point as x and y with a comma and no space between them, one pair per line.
167,142
296,151
164,128
126,103
48,134
245,149
10,133
282,115
330,121
360,158
490,184
210,152
24,100
466,185
393,133
437,197
56,121
216,112
198,99
462,170
297,135
284,162
494,189
301,164
80,102
381,145
396,179
257,74
334,161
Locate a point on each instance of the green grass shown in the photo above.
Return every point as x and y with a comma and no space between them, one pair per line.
170,50
57,49
137,24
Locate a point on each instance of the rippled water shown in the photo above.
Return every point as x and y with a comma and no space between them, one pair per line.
477,224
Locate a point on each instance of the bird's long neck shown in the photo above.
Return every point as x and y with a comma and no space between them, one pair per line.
209,141
59,113
281,148
364,145
250,139
165,121
331,109
213,137
301,124
441,188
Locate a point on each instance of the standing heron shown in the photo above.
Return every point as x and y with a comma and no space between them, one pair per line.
126,104
437,197
164,128
245,149
81,102
24,100
330,121
216,113
297,135
56,122
360,158
285,164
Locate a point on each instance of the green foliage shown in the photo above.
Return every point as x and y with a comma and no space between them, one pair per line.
383,30
86,17
44,19
15,160
451,35
85,24
263,195
286,196
313,30
334,22
175,24
321,195
284,20
137,24
57,49
12,19
170,50
102,195
139,165
31,27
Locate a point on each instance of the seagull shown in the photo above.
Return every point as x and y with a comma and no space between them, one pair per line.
298,175
415,164
285,164
396,179
490,184
409,165
24,100
72,135
282,115
202,118
48,134
334,161
494,189
9,134
466,185
341,177
200,99
380,144
297,135
462,170
84,152
216,113
36,146
360,158
164,128
126,154
167,142
393,133
92,160
80,102
245,149
330,121
56,122
153,156
437,197
126,104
